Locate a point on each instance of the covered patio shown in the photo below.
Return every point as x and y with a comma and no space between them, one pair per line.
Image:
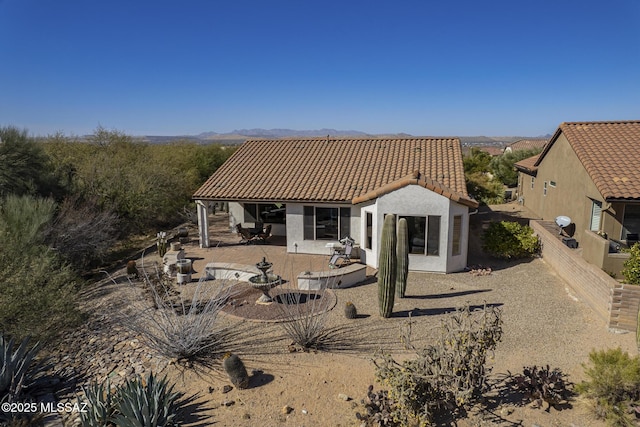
226,248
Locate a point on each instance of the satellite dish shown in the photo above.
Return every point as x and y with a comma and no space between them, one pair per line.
563,221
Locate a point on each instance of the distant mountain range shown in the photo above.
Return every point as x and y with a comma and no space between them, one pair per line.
240,135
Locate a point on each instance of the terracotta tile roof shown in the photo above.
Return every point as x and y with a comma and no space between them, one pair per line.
492,150
333,169
610,153
528,144
417,178
528,165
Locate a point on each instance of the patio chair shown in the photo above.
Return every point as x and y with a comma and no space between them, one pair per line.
265,235
343,254
245,234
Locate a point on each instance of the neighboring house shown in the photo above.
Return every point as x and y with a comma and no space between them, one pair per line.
526,144
590,172
317,191
492,150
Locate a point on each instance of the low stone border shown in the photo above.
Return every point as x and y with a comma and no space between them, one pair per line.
229,271
343,277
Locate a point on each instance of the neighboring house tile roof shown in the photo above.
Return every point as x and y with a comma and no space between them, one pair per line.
528,165
610,153
527,144
492,150
334,169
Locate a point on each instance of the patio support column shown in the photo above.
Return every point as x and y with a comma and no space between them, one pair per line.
203,223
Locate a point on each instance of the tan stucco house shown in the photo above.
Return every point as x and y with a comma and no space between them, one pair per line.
590,172
316,191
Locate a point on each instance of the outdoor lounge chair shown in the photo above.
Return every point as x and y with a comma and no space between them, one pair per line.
265,235
343,254
245,234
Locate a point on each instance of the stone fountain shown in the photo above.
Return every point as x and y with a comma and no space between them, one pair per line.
265,282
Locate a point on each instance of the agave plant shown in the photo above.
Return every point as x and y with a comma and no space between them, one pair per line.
147,403
21,372
101,405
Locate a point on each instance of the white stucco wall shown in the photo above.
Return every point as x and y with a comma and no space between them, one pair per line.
458,262
414,200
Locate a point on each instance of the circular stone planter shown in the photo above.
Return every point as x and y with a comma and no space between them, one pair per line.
184,271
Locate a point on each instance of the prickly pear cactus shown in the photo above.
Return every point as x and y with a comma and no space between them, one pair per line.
350,311
387,264
234,367
403,258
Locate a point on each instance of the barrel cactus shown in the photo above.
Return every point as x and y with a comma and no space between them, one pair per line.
132,270
234,367
403,258
350,311
387,264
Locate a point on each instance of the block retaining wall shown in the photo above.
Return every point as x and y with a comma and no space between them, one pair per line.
615,303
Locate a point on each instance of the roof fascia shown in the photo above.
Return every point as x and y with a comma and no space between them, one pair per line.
547,147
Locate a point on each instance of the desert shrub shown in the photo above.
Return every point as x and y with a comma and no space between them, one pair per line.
508,239
541,384
81,232
180,324
37,289
613,385
147,402
146,185
24,165
446,376
631,270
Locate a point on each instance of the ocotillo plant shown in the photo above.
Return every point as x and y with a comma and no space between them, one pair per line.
387,264
403,258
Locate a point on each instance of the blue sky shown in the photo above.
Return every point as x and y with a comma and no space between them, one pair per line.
433,68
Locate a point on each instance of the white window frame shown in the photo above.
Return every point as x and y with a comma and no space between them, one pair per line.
596,215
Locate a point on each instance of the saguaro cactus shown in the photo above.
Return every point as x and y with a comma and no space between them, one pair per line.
403,258
387,264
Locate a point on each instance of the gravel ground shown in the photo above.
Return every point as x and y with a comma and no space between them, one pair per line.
543,324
